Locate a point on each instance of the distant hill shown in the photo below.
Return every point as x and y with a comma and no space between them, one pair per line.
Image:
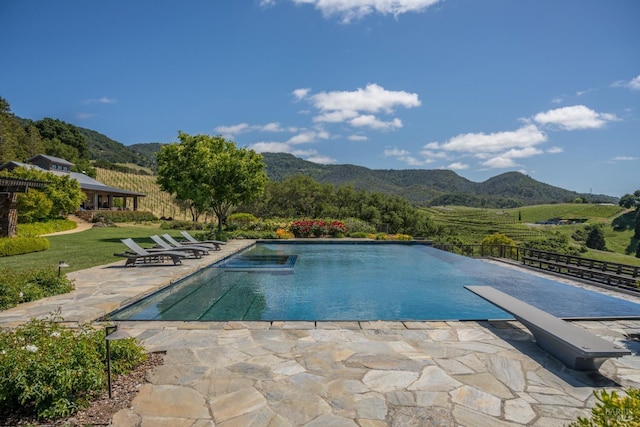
431,187
101,147
420,186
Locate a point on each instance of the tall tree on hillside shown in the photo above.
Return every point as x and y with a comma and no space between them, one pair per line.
10,133
212,173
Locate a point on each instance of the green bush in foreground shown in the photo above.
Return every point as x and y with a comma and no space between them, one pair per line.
22,245
613,410
25,286
49,371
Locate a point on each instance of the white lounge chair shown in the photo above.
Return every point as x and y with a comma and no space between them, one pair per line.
196,251
147,256
190,239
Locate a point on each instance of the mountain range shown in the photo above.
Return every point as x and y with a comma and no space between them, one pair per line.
421,187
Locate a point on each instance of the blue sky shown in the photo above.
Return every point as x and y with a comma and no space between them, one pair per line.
548,88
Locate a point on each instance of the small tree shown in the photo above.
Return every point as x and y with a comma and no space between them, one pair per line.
212,173
63,192
595,238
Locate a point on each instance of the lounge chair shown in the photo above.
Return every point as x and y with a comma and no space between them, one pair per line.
189,238
207,244
196,251
147,256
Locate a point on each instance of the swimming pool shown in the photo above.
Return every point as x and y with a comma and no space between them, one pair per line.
363,282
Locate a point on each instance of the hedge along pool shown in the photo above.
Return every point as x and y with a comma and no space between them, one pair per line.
360,282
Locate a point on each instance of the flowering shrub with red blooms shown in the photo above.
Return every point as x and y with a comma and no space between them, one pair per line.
317,228
337,227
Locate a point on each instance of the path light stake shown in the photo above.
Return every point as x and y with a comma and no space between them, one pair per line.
62,265
112,334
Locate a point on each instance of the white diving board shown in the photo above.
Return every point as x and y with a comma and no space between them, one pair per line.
576,347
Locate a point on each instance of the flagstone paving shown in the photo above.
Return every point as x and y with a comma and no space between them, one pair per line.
365,374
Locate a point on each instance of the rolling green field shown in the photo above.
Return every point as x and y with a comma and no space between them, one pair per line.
472,225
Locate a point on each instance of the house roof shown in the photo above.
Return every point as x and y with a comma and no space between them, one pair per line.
88,183
52,159
14,164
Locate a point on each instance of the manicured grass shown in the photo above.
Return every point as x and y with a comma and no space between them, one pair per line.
84,249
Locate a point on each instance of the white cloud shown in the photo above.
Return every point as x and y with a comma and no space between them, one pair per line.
405,156
375,123
283,147
233,129
316,158
500,162
526,136
272,127
360,108
356,9
84,116
521,153
555,150
633,84
574,117
372,99
103,100
301,93
458,166
308,136
624,158
271,147
357,138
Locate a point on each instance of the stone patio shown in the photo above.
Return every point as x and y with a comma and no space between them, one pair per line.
338,373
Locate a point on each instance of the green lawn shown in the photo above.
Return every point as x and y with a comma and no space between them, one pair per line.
84,249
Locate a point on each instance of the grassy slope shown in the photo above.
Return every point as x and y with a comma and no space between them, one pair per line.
85,249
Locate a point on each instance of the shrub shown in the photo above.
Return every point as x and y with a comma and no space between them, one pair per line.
124,216
38,228
247,234
317,228
49,371
337,228
355,225
613,410
25,286
22,245
284,234
244,221
359,235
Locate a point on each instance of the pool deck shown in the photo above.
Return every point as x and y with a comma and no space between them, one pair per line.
365,374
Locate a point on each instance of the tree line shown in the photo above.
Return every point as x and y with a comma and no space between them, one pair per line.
21,139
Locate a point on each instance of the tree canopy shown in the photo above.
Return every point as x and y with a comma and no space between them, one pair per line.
211,173
63,195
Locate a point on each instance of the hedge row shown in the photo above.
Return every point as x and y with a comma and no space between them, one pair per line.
22,245
124,216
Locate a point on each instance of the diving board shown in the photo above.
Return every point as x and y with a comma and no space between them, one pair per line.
576,347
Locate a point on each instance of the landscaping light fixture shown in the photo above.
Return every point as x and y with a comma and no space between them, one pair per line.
112,334
62,265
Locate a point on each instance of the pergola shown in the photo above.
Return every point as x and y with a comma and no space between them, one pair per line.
9,189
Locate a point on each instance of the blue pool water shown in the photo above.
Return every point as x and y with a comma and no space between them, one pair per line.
361,282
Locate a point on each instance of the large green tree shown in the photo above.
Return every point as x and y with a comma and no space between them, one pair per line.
211,173
62,191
